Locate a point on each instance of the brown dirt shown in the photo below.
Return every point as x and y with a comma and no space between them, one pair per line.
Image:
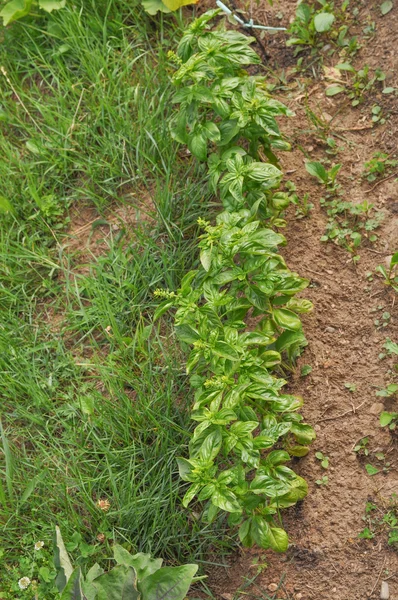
326,559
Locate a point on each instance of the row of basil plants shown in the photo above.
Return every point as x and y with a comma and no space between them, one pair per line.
239,311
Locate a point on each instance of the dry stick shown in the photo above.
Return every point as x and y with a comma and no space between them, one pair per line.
381,181
347,412
353,128
377,580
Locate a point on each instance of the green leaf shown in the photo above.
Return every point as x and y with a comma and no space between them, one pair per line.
345,67
388,90
62,562
386,418
154,6
386,7
50,5
323,21
394,260
371,470
278,539
176,4
118,584
286,319
16,9
317,170
225,351
333,90
226,500
142,563
73,589
211,445
169,583
205,258
198,146
187,334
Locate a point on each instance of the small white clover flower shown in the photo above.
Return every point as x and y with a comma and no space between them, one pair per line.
24,583
39,545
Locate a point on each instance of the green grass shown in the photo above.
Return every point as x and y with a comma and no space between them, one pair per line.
94,396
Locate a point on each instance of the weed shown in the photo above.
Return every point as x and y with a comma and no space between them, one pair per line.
348,223
362,447
390,273
381,520
323,459
379,165
324,480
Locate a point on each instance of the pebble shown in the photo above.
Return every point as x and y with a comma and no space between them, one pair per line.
385,592
273,587
376,408
330,329
298,596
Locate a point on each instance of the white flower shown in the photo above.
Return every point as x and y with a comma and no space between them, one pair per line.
24,583
39,545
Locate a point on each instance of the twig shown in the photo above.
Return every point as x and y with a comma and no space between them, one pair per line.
353,128
377,580
381,181
315,272
352,410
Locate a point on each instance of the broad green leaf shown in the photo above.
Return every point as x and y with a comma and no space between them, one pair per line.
198,146
73,589
169,583
187,334
388,90
143,564
317,170
298,450
386,7
286,319
176,4
205,258
16,9
333,90
345,67
386,418
118,584
225,351
50,5
154,6
323,21
303,13
226,500
62,562
394,260
278,539
211,445
371,470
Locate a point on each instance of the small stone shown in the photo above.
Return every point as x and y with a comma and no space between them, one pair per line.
385,591
227,596
376,408
273,587
310,148
334,590
298,596
317,427
330,329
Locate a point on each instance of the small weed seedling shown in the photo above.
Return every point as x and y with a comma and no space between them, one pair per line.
323,481
381,520
303,206
348,223
305,370
362,447
389,419
390,273
351,387
324,459
389,391
358,86
379,165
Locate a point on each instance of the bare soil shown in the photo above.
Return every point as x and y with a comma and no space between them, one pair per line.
326,559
